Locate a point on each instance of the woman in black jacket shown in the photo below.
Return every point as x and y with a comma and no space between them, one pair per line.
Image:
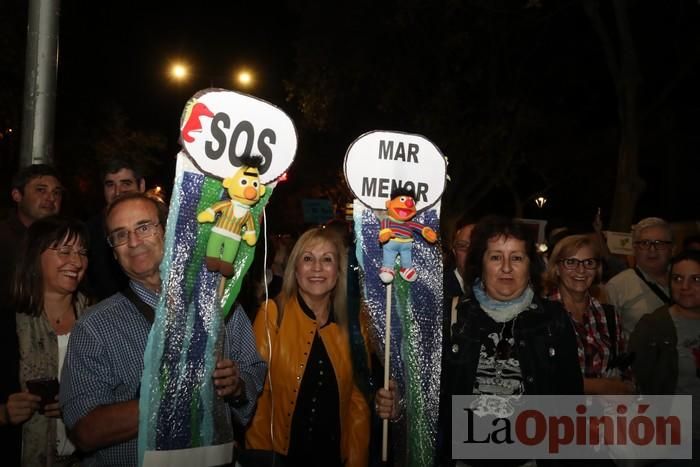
505,339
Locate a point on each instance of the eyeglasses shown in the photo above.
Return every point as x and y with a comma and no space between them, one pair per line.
657,244
121,236
572,263
65,252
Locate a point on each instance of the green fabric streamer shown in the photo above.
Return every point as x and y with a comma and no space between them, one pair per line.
244,258
419,454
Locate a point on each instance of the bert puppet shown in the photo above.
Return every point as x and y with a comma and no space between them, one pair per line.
245,190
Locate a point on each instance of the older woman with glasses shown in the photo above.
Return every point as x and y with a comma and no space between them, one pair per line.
48,304
574,266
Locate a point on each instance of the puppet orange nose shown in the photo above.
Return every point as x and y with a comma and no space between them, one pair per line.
250,193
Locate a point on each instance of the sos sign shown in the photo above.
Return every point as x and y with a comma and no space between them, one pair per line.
218,127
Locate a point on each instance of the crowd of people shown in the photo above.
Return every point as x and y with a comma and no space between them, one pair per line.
79,303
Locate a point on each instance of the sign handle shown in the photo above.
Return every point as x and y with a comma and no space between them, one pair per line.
387,363
222,285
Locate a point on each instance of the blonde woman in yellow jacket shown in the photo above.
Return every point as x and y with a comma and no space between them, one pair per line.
311,412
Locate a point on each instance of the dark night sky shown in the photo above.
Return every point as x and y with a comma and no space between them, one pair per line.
117,53
121,52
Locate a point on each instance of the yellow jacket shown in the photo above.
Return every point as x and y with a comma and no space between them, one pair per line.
291,343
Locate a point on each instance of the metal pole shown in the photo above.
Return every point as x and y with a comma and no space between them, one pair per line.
40,83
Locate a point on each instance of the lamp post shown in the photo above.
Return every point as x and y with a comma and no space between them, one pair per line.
40,83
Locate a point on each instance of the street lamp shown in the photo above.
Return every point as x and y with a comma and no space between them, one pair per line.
540,201
179,71
245,78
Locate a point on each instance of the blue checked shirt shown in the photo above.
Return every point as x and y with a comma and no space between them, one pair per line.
104,363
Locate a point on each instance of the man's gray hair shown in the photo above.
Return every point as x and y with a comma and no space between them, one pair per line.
650,222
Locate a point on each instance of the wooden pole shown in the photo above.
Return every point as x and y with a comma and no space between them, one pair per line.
222,286
387,364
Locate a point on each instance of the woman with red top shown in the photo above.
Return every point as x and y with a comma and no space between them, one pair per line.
574,266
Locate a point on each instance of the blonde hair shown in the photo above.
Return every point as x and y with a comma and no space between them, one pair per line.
568,246
290,287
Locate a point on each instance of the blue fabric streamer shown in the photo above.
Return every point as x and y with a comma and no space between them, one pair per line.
416,331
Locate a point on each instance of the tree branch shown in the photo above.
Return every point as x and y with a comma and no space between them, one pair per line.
592,9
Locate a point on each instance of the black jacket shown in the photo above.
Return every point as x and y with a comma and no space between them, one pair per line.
654,343
544,338
546,349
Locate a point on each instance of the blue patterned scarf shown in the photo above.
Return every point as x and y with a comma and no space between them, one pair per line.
500,311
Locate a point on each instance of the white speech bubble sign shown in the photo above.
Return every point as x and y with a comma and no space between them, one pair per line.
379,161
218,127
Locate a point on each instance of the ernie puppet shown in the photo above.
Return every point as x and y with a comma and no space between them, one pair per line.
235,220
396,235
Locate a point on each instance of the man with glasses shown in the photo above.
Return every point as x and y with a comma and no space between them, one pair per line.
641,290
100,384
461,241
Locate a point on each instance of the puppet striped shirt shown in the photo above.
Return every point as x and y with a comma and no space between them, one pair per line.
233,217
402,230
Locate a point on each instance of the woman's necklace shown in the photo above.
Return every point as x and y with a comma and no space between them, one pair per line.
58,318
505,345
504,350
